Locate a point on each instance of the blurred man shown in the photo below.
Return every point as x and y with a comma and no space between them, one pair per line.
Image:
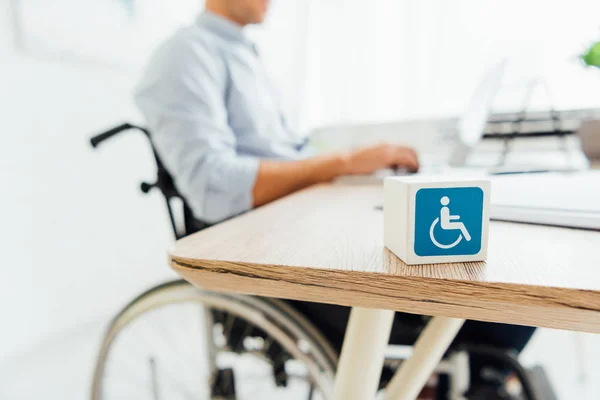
218,127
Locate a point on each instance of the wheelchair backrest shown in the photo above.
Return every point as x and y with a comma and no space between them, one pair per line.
164,182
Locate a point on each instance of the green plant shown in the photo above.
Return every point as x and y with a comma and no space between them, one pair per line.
592,56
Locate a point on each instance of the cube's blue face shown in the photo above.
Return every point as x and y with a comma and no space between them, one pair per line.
448,221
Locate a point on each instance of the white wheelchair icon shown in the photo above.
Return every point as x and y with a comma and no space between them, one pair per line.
448,223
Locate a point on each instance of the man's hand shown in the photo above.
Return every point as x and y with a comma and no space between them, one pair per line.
370,159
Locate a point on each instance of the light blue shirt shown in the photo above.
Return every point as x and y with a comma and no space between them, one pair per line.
213,113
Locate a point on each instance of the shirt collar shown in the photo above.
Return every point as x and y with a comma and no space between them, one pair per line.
223,28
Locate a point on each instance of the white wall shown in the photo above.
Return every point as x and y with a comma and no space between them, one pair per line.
78,238
398,59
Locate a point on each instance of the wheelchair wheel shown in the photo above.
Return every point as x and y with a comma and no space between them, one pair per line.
180,342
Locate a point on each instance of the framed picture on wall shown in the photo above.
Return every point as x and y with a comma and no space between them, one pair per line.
114,33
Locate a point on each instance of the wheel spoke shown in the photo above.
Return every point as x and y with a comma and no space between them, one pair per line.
228,326
154,377
311,391
158,353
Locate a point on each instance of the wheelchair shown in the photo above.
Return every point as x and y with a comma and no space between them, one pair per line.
176,341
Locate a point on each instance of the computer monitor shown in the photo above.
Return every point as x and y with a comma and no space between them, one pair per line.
472,124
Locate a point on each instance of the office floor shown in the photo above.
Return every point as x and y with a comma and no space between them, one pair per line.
62,366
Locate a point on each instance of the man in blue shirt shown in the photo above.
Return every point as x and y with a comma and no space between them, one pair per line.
217,123
218,127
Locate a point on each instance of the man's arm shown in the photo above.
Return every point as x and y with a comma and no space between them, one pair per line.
276,179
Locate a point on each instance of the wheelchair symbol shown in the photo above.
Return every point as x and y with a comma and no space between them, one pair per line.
448,222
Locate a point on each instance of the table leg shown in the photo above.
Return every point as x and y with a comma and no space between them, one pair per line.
363,353
429,349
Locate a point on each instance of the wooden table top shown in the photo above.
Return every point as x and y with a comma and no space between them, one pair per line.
325,244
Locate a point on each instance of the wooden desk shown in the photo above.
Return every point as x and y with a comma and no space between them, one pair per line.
325,244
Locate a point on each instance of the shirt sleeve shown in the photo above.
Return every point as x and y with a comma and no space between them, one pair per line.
182,96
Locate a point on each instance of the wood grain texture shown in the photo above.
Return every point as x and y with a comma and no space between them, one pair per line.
325,244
